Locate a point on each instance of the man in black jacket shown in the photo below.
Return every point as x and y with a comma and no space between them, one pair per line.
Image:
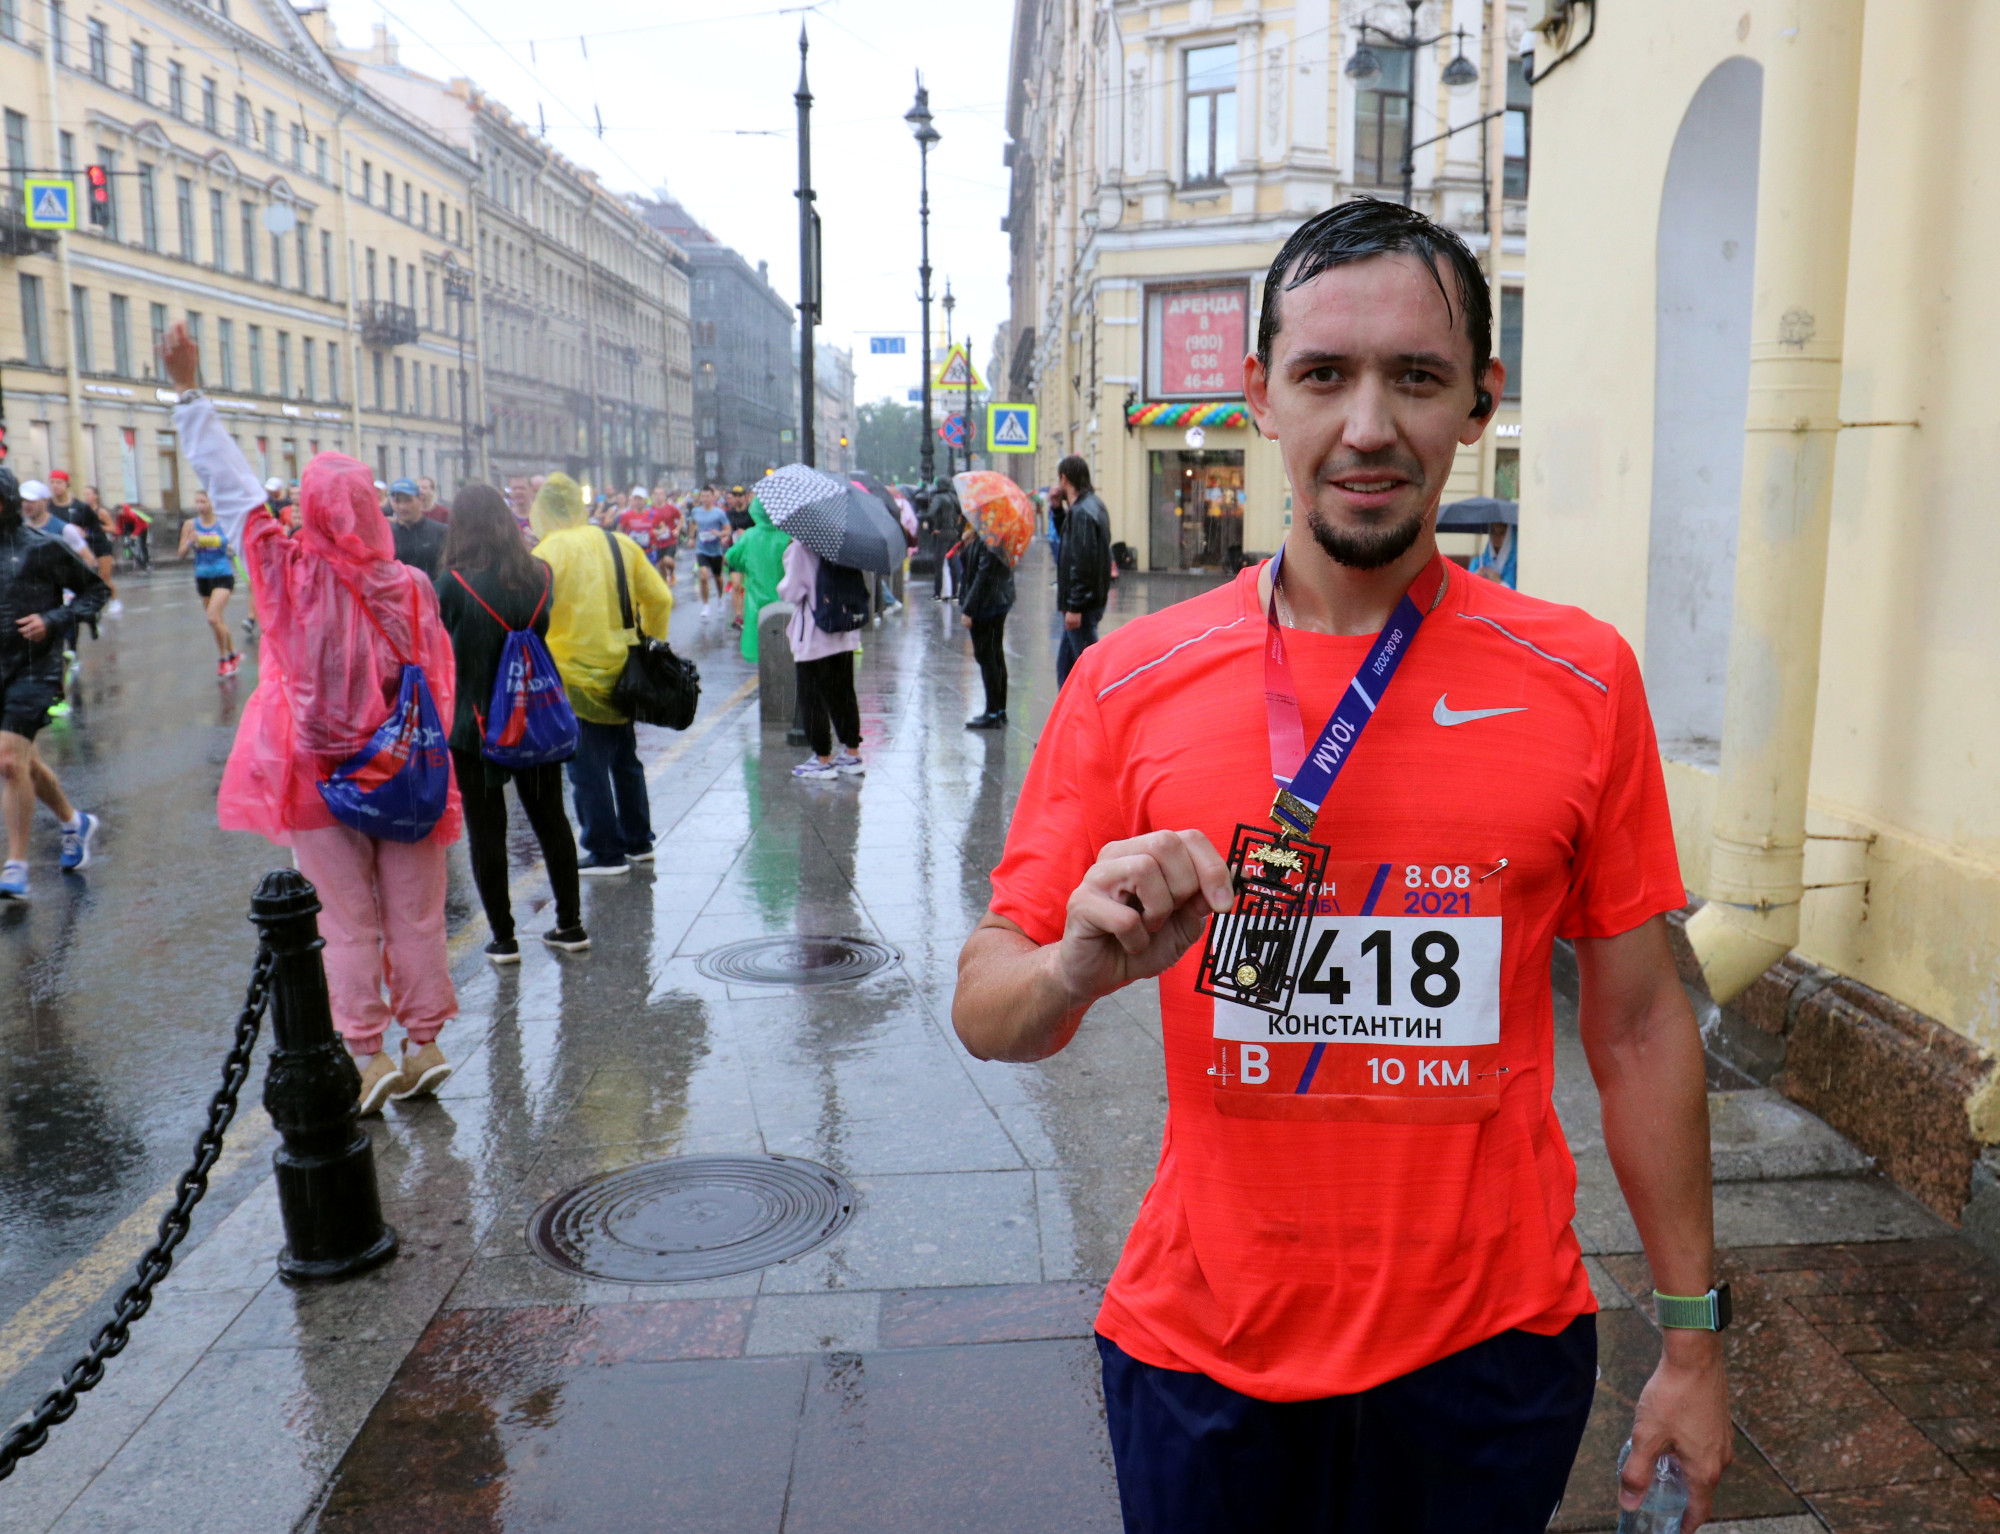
37,569
1083,567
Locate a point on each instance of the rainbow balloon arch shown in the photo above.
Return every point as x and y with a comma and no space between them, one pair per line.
1222,413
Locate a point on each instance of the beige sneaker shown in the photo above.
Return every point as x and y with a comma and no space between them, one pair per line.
379,1077
423,1072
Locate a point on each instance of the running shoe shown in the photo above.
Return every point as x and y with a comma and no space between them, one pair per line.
504,950
59,709
423,1072
591,868
644,854
568,939
14,882
77,840
113,608
814,770
847,764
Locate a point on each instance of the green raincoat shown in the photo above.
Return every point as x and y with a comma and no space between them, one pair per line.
759,555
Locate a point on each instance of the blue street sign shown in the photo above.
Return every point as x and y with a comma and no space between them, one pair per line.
50,204
1011,428
885,346
953,430
916,396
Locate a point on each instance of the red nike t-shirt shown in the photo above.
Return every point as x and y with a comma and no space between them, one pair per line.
1336,1210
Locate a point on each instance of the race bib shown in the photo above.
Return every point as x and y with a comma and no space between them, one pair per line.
1363,991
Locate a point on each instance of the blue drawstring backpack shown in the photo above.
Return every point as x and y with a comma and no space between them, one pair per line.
528,722
396,787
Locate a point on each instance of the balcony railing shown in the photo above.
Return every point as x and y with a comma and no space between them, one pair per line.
388,324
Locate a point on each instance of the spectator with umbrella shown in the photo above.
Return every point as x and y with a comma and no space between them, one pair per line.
837,533
1003,523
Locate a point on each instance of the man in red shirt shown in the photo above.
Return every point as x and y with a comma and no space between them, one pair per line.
1351,1299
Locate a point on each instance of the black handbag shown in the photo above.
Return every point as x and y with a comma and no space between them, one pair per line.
657,686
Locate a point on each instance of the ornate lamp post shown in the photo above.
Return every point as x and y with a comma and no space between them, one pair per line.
1364,68
919,119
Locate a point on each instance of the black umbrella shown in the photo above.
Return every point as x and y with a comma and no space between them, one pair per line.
1477,513
841,524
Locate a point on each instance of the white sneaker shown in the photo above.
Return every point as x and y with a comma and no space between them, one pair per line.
114,608
813,768
704,609
848,765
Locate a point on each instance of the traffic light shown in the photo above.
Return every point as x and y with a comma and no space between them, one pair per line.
3,442
100,194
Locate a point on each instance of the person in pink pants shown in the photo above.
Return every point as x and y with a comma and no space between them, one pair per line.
338,614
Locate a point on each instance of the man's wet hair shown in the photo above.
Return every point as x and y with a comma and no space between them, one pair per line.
1077,472
1360,230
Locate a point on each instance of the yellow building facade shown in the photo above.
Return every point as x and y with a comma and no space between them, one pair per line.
1161,155
300,227
1758,440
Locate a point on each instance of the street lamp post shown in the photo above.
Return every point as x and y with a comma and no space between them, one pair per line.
1364,67
950,303
919,119
809,296
459,291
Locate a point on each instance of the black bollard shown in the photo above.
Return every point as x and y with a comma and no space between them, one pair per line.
326,1167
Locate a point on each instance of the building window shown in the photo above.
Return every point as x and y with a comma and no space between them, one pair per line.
10,21
326,264
368,267
407,209
149,212
176,89
1382,121
32,331
142,81
184,212
284,365
79,324
59,30
254,336
248,215
156,328
375,361
99,40
66,152
225,352
1519,114
270,132
333,371
210,113
1209,114
218,231
319,156
301,234
308,365
368,181
298,146
1510,341
121,335
278,259
400,407
458,226
427,212
17,147
194,335
246,122
389,193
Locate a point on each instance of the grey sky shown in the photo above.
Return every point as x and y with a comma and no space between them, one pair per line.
699,98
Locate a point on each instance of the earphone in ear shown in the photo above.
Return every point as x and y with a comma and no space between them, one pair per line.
1482,405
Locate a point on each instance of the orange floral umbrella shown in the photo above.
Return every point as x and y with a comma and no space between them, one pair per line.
1000,509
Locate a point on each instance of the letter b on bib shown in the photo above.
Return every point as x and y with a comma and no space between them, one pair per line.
1256,1065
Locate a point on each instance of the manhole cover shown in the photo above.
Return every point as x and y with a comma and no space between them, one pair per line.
691,1217
798,960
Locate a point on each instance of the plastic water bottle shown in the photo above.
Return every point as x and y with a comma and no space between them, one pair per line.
1666,1498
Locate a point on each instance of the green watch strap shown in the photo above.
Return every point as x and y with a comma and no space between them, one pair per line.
1697,1313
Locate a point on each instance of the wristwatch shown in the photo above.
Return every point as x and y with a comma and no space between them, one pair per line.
1708,1312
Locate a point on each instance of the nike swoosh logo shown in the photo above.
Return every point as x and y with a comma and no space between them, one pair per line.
1450,716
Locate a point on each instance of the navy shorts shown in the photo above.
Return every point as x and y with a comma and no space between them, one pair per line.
1482,1439
27,695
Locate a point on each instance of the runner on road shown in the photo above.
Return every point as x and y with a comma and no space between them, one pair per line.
214,577
711,537
666,534
45,591
1352,1299
636,520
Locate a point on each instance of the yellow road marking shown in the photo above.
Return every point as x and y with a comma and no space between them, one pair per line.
476,931
36,1324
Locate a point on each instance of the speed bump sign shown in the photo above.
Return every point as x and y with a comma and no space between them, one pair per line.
1010,429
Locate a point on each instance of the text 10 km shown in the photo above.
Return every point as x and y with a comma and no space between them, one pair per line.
1430,1073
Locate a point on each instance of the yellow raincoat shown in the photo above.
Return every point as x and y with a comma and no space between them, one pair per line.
584,634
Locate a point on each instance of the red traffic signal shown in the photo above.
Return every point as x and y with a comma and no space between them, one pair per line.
3,441
100,193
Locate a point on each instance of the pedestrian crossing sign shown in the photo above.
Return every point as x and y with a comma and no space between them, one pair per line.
1010,429
51,204
957,371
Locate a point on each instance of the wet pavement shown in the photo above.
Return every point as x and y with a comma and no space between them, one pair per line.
929,1367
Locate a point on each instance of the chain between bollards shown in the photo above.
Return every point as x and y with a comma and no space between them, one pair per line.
60,1404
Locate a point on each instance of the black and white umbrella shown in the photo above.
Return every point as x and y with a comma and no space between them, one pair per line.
833,519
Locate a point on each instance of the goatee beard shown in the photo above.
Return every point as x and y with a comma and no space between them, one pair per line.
1365,548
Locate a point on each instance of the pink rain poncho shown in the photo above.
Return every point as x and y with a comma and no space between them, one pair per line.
327,675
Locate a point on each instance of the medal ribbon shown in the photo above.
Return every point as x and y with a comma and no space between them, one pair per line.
1297,806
